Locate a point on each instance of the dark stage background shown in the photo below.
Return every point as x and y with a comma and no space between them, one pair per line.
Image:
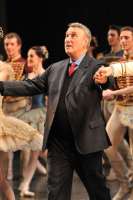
44,22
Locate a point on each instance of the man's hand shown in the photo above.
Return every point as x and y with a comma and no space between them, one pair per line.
100,77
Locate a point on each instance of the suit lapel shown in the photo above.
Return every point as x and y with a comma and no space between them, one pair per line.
84,66
62,74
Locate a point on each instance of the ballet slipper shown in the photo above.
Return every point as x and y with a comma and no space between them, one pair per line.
27,193
23,186
42,170
24,191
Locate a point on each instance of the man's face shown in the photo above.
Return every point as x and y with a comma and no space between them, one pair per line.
113,37
12,47
76,42
126,40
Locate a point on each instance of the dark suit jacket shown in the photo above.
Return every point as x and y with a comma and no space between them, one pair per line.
83,102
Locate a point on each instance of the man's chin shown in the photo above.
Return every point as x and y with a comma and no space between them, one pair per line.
68,52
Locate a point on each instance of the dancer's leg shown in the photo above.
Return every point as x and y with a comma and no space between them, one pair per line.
28,175
5,187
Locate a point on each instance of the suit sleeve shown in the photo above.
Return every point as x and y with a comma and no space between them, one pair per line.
28,87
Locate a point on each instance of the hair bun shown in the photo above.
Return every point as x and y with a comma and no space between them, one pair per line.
45,52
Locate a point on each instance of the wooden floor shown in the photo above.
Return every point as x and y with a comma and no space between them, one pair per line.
39,186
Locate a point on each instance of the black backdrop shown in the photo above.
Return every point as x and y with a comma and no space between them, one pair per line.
44,22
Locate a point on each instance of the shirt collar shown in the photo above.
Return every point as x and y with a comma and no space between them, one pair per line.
79,60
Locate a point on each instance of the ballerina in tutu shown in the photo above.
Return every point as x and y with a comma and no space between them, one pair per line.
14,135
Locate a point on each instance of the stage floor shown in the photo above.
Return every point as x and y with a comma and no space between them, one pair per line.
39,186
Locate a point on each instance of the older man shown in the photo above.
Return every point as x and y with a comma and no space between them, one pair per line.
75,129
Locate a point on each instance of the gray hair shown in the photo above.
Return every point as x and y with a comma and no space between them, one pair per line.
84,28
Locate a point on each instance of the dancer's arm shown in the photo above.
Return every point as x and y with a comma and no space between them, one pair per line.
117,69
109,94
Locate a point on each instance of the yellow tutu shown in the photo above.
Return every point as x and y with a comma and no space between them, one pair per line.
17,135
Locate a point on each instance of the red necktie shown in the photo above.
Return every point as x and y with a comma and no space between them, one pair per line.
71,69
